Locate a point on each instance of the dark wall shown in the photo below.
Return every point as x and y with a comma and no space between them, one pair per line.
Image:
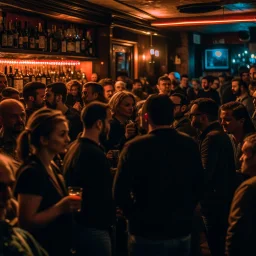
145,68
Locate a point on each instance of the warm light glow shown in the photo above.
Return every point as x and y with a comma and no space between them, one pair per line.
152,51
156,53
143,57
102,63
202,22
40,62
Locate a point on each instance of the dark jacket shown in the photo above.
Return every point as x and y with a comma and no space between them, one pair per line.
241,234
155,187
212,94
218,162
184,125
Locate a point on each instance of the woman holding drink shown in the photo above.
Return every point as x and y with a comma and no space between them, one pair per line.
44,202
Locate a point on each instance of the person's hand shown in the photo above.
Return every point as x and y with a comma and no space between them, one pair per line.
69,204
109,155
130,130
78,106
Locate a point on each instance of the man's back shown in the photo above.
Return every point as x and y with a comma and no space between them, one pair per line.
161,173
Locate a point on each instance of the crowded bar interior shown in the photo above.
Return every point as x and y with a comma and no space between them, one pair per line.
127,127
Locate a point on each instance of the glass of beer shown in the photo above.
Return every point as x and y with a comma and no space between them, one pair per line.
76,194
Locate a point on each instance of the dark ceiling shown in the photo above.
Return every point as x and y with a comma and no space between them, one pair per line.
157,11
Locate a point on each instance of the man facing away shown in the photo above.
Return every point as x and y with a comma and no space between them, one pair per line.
156,189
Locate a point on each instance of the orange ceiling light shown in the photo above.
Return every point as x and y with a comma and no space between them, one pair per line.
212,20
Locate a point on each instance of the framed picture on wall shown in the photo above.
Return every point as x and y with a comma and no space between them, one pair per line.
216,59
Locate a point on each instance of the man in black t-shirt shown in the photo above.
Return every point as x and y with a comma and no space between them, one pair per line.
86,166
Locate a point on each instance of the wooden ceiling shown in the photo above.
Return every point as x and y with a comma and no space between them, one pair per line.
156,11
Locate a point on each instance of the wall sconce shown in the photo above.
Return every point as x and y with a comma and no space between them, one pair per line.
152,51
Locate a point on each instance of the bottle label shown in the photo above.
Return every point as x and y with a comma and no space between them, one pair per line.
55,46
32,43
33,79
4,40
25,39
21,41
90,51
26,80
78,45
41,43
64,46
10,41
43,80
83,45
71,47
18,84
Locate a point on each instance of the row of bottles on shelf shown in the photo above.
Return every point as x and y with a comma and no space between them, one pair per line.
71,40
18,76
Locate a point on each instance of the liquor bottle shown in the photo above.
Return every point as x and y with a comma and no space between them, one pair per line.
43,78
20,35
41,38
18,81
26,78
10,36
84,42
32,39
38,76
63,41
78,41
71,45
55,43
4,33
15,35
10,77
50,39
25,36
90,46
32,77
48,78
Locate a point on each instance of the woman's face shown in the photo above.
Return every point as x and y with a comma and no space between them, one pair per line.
74,90
126,107
59,139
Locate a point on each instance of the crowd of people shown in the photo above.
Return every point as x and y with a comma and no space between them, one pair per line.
154,163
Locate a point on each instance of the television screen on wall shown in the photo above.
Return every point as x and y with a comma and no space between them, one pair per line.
216,59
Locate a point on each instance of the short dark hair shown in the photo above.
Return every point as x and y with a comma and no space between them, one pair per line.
160,109
253,83
239,111
30,89
59,88
209,79
137,81
9,91
184,75
106,81
183,98
209,107
163,78
240,82
93,112
97,88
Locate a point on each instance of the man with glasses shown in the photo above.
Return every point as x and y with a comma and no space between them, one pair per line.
241,231
218,162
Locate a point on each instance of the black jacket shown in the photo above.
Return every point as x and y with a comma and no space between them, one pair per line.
241,234
218,162
155,187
